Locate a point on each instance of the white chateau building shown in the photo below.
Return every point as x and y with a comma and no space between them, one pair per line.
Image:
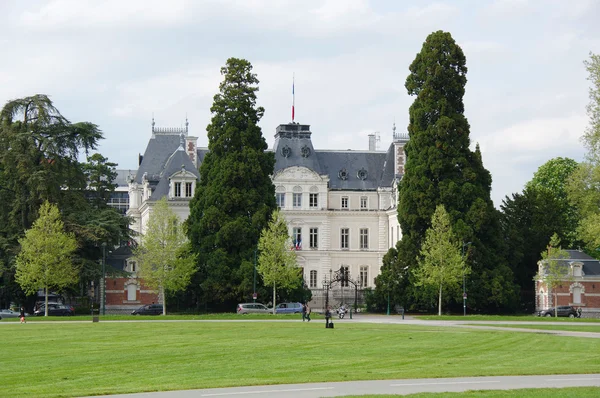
340,205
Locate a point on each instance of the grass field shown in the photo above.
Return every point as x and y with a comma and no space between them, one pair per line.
74,359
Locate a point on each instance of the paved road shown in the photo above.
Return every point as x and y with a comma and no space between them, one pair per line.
401,387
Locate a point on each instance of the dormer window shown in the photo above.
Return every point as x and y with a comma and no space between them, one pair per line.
182,185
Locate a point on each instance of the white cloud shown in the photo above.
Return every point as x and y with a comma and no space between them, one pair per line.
85,14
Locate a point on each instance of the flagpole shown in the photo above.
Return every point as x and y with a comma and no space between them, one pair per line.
293,96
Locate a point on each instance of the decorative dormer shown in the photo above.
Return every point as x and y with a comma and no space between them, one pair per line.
182,184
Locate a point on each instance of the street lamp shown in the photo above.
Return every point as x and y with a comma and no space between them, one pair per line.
103,278
464,286
254,285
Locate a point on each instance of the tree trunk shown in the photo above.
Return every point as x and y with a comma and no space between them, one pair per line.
164,300
440,301
274,298
46,301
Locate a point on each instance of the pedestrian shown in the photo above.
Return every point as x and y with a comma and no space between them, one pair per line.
327,316
22,315
303,312
307,310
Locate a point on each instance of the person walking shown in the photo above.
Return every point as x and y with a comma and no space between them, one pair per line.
303,312
307,310
22,315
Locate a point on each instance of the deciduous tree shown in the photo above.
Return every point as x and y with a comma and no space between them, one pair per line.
441,262
584,189
163,257
277,263
554,271
235,196
44,261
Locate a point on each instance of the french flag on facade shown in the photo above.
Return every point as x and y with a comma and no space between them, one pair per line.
299,244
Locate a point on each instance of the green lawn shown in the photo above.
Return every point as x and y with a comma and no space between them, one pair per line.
576,392
74,359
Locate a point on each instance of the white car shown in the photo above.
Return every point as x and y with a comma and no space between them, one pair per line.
10,314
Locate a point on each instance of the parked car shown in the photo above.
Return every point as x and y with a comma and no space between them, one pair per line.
288,308
562,310
252,308
55,309
4,314
149,309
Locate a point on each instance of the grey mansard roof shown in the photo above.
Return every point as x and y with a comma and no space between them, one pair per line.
591,266
293,147
159,149
177,161
347,169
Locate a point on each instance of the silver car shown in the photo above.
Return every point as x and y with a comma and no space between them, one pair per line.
252,308
10,314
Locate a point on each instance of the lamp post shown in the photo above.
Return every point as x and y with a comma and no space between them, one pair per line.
254,284
464,286
103,278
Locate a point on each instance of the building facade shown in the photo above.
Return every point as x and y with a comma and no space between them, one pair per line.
340,205
580,289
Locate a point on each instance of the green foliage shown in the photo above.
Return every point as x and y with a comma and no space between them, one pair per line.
235,196
39,149
277,263
554,271
584,189
441,262
554,177
529,219
163,256
44,261
441,169
592,133
100,175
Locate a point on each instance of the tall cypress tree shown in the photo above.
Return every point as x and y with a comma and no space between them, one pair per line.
441,169
235,196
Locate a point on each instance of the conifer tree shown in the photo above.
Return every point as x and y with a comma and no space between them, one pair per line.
441,169
235,196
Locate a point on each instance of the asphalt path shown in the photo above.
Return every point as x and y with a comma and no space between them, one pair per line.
398,387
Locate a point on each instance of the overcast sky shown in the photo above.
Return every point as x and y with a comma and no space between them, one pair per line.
117,62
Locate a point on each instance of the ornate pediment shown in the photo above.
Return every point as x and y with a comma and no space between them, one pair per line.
297,173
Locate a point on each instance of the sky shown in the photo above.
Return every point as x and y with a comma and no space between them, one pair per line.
117,63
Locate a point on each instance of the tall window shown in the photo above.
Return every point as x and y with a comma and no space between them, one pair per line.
577,295
280,198
313,278
314,238
345,238
297,238
363,203
313,200
364,239
131,292
297,200
177,189
344,202
363,276
188,189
